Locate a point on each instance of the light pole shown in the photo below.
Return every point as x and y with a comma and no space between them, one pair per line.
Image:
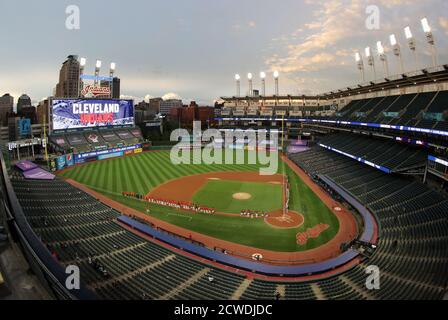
263,83
412,45
82,64
238,85
250,77
276,76
397,51
430,39
383,58
97,71
371,61
360,62
113,66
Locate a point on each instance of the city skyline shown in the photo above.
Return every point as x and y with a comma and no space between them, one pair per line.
192,49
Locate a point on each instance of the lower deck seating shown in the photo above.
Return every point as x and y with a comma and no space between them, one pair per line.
118,264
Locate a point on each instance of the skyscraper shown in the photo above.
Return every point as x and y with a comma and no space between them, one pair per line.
24,101
115,88
68,86
6,108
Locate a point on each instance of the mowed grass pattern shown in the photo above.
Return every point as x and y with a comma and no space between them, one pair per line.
141,173
219,195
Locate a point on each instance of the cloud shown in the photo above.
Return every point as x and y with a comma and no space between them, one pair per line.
147,98
443,21
252,24
130,97
171,95
322,50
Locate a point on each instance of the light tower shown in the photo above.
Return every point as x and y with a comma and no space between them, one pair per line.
97,71
250,77
276,76
263,83
397,51
360,62
238,85
412,45
371,61
383,58
113,66
430,39
82,64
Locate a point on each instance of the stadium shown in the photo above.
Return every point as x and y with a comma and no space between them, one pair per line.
356,208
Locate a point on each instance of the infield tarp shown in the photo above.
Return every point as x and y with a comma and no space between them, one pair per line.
38,174
26,165
229,260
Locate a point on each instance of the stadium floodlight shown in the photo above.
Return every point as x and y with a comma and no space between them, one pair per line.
383,58
113,67
238,85
408,33
263,83
397,51
393,40
82,64
97,71
250,77
367,51
371,61
360,62
380,47
430,39
412,44
425,25
276,76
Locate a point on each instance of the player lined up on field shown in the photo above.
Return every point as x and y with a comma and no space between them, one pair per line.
170,203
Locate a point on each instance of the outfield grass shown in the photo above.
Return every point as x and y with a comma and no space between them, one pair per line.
219,195
141,173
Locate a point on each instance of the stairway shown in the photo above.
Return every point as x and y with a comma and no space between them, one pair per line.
241,289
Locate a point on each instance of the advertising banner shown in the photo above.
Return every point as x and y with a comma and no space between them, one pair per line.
69,160
111,155
24,127
102,154
68,114
60,162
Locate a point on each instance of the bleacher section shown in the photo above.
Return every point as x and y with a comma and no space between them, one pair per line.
413,246
407,110
426,110
386,153
96,139
117,264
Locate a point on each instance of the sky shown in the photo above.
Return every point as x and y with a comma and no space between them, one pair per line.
193,48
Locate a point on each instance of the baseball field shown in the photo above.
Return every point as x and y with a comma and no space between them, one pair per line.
228,188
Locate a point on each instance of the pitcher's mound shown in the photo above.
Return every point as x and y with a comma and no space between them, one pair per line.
241,196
